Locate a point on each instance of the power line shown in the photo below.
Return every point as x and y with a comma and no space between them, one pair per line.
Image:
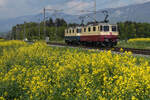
90,11
95,10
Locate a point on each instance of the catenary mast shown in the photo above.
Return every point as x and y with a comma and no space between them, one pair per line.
95,9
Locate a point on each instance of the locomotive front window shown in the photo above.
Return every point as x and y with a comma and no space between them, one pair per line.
106,28
72,31
114,28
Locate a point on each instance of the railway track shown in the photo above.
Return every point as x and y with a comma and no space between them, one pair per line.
134,51
116,49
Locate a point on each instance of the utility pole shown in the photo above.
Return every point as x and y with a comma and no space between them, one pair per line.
44,23
82,20
39,29
9,36
15,35
56,24
55,11
95,10
24,35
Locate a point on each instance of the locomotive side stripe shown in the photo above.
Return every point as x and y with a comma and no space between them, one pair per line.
89,34
98,38
92,38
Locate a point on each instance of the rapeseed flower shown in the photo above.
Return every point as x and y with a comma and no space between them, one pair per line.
40,72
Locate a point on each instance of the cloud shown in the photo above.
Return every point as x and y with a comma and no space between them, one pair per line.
141,1
73,7
14,8
115,3
119,3
2,3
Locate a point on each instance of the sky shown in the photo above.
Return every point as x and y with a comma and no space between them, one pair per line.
16,8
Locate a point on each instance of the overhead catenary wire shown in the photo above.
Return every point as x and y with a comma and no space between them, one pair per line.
82,11
78,4
55,10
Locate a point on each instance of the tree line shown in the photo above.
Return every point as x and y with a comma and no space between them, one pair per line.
34,31
130,29
55,30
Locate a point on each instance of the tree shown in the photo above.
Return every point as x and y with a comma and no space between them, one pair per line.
50,22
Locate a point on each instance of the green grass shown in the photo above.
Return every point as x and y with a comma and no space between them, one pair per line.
136,45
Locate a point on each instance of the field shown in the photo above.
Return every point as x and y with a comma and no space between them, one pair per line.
39,72
138,43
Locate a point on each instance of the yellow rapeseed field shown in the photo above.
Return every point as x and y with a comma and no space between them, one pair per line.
139,40
39,72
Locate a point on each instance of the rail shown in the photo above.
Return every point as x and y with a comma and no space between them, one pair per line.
116,49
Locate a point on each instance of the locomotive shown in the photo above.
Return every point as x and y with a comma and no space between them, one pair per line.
99,34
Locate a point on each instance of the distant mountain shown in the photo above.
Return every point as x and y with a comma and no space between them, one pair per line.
5,25
138,13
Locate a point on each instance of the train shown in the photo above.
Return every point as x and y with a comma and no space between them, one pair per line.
97,34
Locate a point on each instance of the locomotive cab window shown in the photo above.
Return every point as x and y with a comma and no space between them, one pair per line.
70,31
94,28
106,28
79,30
101,28
114,28
84,29
89,29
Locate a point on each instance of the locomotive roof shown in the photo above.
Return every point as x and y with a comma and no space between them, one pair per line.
91,25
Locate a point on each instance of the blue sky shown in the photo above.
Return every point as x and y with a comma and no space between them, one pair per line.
15,8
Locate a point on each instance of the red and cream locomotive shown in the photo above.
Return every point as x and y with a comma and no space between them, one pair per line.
100,34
